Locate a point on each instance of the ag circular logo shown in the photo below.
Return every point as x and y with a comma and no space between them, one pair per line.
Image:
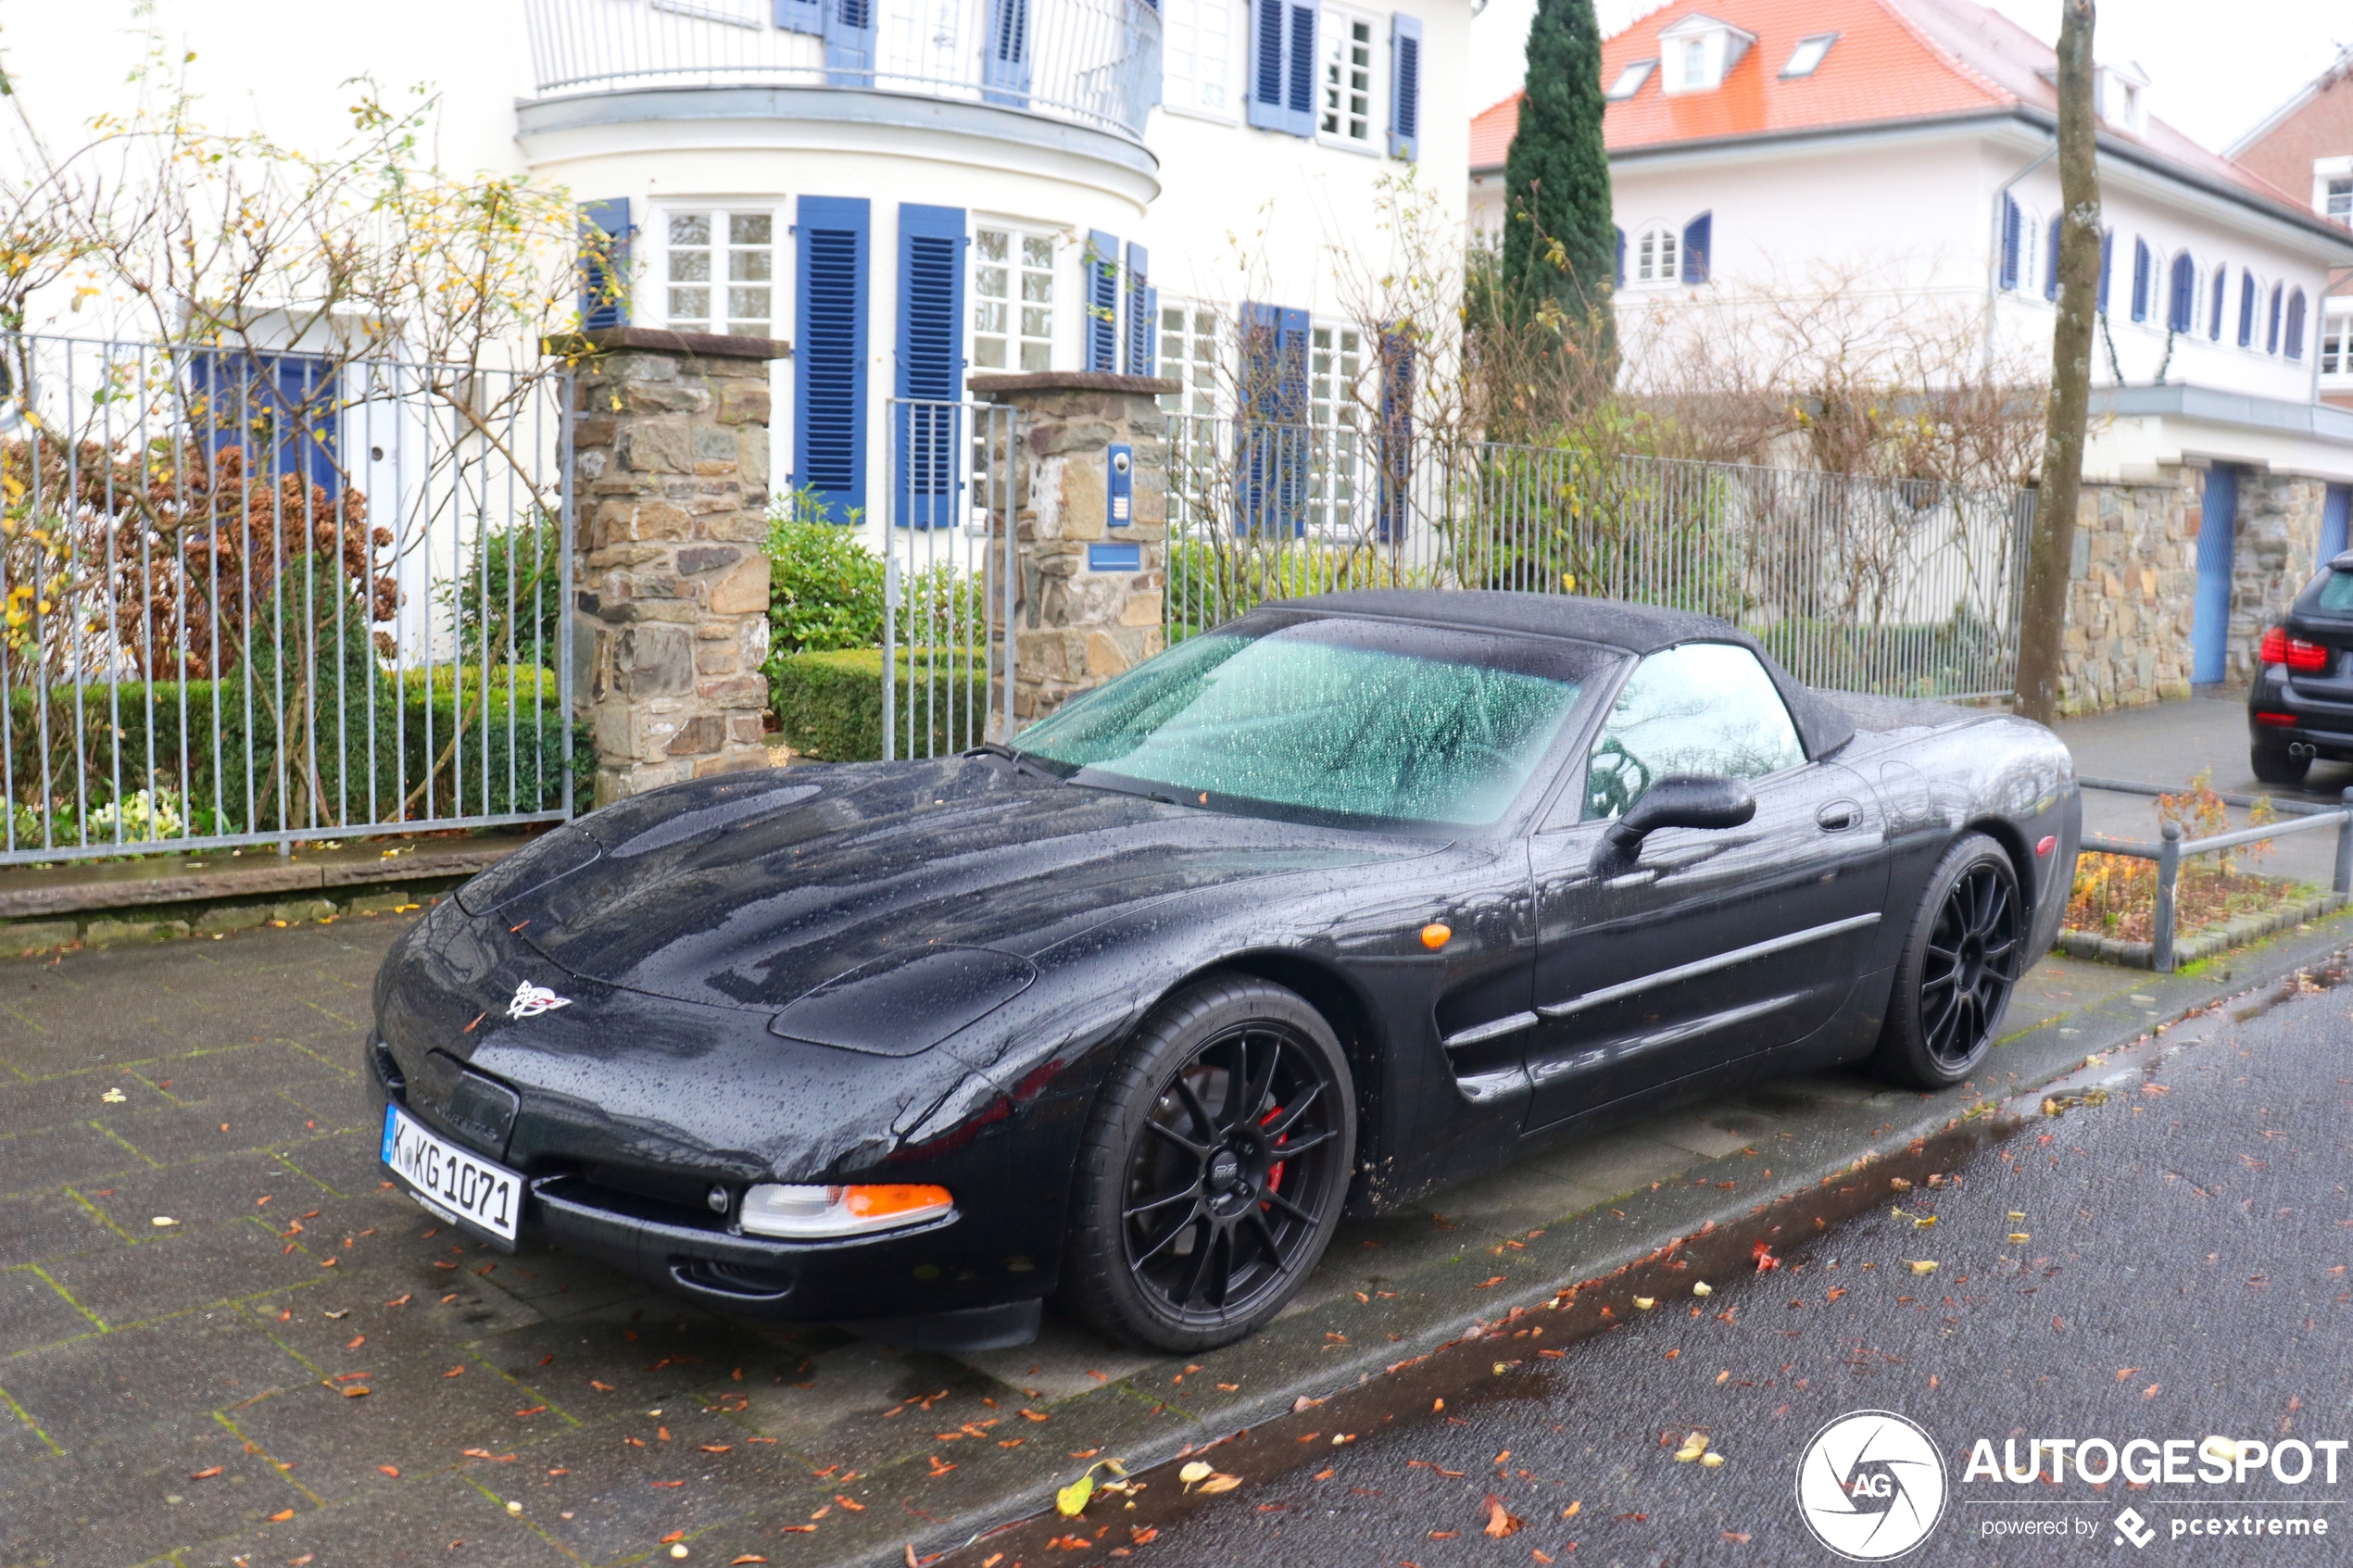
1870,1486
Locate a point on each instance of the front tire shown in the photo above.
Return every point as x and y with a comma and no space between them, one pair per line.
1960,963
2275,765
1212,1170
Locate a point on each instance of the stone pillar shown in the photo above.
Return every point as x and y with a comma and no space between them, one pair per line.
670,583
1083,616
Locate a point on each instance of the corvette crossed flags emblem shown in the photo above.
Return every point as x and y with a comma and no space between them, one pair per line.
531,1000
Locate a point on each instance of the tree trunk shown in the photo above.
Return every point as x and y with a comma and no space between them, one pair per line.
2042,633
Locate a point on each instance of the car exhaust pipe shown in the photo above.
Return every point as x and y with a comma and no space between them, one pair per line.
2302,748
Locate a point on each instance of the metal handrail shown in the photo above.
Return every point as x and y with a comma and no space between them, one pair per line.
1087,62
2171,848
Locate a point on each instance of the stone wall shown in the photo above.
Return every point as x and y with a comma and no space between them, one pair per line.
2274,555
2132,581
670,453
1075,627
2131,600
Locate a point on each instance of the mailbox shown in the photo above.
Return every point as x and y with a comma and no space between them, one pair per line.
1119,485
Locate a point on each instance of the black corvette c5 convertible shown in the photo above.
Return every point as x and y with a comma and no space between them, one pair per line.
1351,898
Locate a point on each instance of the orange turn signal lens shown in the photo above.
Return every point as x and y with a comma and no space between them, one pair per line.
1435,935
893,1201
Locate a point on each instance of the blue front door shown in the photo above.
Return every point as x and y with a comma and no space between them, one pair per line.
2336,521
2211,624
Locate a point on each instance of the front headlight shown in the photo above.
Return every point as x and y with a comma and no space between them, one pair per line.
803,1213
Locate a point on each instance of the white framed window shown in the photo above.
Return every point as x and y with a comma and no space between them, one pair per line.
1013,298
1656,257
1344,108
1694,62
2337,201
1197,53
1336,365
1630,81
718,269
1189,339
2336,343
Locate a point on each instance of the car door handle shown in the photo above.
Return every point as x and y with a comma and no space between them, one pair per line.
1838,816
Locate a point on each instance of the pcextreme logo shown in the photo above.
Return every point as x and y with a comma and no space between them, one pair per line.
1870,1486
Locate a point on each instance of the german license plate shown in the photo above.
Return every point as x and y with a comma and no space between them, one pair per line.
453,1183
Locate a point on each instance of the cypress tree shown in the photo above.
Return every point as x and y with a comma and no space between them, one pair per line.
1559,241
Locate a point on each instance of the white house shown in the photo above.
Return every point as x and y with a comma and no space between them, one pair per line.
2307,144
1751,141
907,190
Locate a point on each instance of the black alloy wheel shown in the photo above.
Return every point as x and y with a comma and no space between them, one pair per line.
1214,1168
1961,964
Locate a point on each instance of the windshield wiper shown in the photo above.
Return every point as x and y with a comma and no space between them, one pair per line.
1021,763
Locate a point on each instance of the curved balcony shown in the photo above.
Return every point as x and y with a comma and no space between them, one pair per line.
1090,63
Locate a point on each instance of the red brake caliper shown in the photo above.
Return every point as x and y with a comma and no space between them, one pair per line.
1275,1174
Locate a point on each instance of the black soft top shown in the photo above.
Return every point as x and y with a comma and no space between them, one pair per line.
1632,628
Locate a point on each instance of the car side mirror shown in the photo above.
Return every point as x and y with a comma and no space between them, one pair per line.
1683,801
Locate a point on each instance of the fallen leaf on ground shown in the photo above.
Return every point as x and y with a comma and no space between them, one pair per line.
1220,1483
1500,1521
207,1474
1194,1471
391,1470
1645,1302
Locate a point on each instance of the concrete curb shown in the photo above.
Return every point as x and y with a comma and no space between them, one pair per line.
1295,1358
2196,949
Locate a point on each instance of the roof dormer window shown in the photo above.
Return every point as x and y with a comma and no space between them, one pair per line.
1806,58
1701,51
2121,93
1630,81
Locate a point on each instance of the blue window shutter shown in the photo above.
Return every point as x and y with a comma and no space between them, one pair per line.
1299,71
1396,430
1143,316
2221,291
2107,254
850,43
829,366
931,365
2140,280
2182,305
1270,419
2013,224
1621,256
1404,86
2271,337
1697,235
1102,301
1266,34
1004,66
801,16
604,264
2050,263
2246,308
2295,325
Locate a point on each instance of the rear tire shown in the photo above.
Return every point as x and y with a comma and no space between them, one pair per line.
1213,1168
2273,765
1961,960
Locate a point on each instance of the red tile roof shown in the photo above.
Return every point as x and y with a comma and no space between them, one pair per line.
1894,60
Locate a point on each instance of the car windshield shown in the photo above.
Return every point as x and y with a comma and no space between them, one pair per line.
1356,717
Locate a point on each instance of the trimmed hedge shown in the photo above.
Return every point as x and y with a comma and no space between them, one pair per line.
829,705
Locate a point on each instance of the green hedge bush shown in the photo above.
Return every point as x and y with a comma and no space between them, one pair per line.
829,703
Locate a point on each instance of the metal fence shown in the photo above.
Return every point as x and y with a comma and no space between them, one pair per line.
1892,586
259,596
1092,62
950,578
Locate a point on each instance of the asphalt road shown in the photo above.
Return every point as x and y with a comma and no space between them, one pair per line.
2179,1271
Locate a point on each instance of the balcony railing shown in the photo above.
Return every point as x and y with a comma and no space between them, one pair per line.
1089,62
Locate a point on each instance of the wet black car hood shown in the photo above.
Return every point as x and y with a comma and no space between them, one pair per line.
754,892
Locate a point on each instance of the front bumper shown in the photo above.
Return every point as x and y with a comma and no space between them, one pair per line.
944,1265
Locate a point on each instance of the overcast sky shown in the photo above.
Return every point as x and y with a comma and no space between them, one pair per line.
2212,81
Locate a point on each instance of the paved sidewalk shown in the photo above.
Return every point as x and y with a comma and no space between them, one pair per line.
190,1391
2168,743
